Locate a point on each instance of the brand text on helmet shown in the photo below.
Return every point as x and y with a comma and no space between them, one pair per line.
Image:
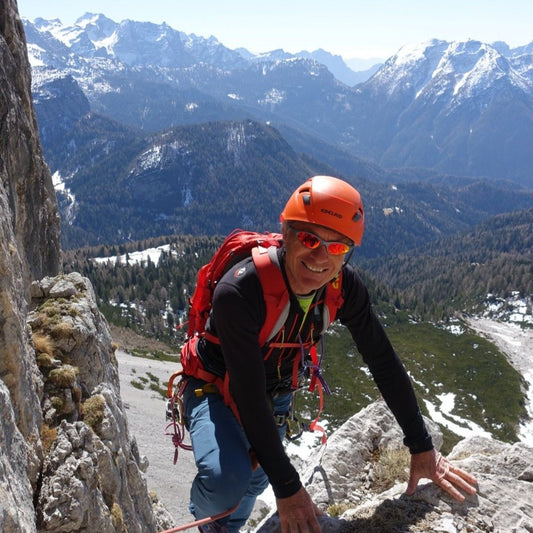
332,213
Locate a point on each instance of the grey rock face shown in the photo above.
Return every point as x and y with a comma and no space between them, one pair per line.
29,247
343,474
345,478
27,188
67,459
16,507
82,332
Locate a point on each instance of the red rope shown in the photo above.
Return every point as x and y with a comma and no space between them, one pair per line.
201,522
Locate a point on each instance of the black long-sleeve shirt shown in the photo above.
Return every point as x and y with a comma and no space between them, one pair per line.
237,316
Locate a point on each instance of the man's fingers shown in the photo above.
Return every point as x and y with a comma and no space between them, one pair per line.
461,483
449,477
451,490
452,478
471,480
436,467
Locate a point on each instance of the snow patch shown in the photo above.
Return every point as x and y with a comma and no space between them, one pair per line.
515,309
136,258
66,196
516,343
443,414
274,96
390,210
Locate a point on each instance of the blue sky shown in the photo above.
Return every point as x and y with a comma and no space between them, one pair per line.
350,28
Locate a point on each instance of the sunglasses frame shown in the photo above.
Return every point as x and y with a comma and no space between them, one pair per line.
321,242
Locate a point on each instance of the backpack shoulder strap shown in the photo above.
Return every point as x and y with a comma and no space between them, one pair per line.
333,300
274,290
277,296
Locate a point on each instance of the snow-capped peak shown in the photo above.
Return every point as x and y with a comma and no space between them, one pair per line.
459,69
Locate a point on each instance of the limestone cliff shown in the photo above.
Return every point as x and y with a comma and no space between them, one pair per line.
27,188
67,459
29,248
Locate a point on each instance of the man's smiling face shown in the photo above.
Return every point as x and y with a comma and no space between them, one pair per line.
308,270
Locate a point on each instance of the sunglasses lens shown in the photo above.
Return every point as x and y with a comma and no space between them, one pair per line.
338,248
308,240
312,242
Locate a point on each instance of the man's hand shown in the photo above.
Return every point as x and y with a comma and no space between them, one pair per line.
297,513
434,466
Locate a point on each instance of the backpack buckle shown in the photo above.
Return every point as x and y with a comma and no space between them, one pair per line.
280,419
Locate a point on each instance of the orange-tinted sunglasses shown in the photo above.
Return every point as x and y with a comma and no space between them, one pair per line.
312,241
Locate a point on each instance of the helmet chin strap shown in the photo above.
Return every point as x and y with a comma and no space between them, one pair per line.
345,262
348,256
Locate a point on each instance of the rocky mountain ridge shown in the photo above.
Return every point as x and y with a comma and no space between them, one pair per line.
144,44
352,473
463,108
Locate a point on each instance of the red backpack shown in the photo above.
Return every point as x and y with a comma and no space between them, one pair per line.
237,246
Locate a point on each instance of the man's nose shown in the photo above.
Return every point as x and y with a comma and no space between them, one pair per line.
321,252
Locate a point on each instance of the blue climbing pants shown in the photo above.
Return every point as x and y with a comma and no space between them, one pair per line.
221,452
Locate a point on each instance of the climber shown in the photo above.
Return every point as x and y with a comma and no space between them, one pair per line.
239,451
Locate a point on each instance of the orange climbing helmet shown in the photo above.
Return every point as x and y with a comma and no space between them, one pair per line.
328,202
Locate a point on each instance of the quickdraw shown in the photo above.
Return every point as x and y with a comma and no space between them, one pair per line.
317,381
176,427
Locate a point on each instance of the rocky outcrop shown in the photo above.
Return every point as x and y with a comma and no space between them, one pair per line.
67,459
356,481
92,474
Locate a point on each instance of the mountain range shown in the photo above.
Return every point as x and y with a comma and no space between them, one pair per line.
459,107
155,131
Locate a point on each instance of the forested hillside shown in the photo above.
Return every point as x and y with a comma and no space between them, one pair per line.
139,293
210,178
148,292
458,272
451,275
